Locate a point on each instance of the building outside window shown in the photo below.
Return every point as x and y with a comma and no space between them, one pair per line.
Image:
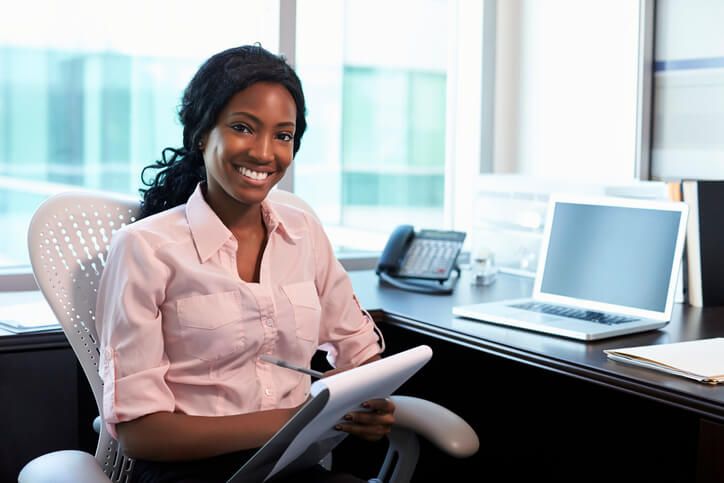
374,155
89,93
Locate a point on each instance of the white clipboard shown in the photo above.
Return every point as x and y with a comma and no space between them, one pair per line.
310,435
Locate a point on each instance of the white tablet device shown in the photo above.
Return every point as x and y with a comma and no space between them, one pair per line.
310,434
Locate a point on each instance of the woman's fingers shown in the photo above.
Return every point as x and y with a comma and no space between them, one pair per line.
364,431
371,418
380,405
372,424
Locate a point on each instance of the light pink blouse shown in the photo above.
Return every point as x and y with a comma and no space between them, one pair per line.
180,331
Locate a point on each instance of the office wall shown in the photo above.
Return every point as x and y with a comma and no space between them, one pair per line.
688,109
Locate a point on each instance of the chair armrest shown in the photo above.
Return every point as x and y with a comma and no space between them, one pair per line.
68,466
437,424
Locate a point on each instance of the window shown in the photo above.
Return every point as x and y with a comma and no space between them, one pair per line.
567,89
377,76
86,100
393,141
569,116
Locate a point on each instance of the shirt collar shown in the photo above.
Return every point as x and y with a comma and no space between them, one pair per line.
274,222
209,233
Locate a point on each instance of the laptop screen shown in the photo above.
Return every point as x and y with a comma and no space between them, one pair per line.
611,254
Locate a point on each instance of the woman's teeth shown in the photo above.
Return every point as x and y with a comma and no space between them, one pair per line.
252,174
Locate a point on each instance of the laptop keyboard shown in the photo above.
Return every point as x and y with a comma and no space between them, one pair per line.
587,315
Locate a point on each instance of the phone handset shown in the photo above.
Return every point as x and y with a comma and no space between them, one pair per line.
395,249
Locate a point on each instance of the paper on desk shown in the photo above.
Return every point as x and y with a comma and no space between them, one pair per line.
702,360
347,390
27,317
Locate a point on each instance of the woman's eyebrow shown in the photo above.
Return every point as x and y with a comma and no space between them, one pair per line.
258,121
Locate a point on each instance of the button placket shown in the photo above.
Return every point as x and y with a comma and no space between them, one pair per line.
266,309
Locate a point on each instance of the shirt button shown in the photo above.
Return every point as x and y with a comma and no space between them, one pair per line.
269,322
267,392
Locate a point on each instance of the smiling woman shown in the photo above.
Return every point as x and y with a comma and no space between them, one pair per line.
215,275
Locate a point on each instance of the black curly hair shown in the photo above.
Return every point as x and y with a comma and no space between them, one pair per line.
176,175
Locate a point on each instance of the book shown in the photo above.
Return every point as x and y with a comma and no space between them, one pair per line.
673,193
704,242
310,435
701,360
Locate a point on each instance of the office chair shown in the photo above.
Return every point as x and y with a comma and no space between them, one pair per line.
68,241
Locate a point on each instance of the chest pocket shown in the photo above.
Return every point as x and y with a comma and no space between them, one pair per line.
307,310
211,325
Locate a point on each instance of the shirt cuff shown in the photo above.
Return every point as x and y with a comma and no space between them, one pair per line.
354,351
128,398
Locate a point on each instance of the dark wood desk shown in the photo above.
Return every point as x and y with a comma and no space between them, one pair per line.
545,408
45,401
553,409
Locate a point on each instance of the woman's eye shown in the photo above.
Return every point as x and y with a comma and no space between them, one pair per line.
240,128
285,136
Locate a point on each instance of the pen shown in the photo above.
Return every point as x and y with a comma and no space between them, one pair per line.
288,365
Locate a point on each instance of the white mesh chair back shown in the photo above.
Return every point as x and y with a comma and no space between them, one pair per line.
68,241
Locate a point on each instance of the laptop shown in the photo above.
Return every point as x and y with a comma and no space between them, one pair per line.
608,267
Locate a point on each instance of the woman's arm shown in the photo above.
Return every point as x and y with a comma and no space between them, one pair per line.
351,334
165,436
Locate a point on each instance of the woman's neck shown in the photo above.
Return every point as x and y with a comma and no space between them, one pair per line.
237,217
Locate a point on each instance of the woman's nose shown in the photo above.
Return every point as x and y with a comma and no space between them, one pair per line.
263,149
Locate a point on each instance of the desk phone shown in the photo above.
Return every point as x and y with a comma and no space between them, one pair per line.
427,255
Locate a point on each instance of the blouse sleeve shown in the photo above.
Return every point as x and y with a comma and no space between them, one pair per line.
347,332
128,320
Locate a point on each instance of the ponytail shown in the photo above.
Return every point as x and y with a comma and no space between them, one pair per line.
176,176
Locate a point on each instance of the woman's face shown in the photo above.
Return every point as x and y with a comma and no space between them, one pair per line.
251,146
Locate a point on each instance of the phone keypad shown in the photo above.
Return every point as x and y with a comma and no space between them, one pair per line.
430,258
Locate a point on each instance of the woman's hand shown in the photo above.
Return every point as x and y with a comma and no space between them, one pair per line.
372,424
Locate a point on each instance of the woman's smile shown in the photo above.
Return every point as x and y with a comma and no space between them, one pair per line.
253,176
249,173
